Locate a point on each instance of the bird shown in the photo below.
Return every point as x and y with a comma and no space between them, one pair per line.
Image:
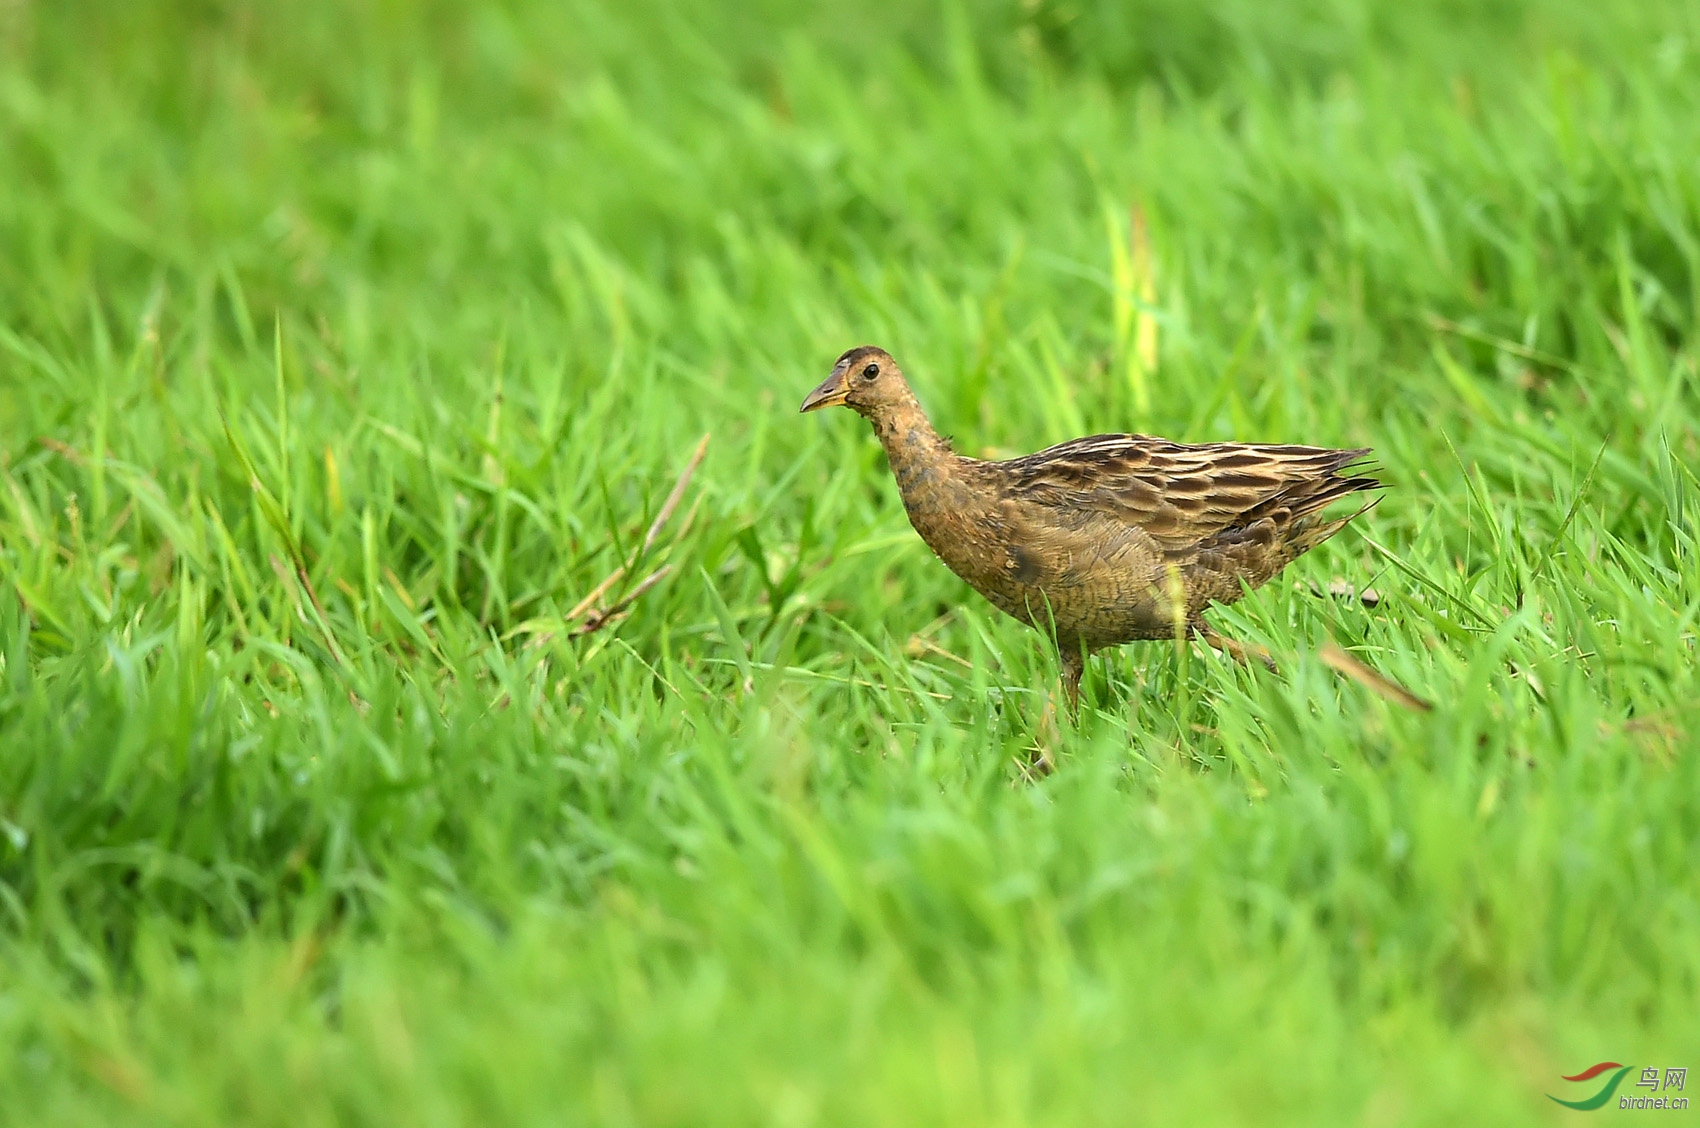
1106,539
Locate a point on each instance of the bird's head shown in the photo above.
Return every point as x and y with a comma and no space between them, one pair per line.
865,379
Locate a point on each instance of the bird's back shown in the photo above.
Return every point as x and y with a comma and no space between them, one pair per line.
1100,535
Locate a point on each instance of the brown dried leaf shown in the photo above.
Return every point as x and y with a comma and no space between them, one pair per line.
1344,664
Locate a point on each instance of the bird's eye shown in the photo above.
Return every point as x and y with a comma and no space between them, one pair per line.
870,371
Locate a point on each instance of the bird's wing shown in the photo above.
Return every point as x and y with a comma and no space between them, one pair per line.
1182,494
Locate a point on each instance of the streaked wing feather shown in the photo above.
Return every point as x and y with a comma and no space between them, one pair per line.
1180,493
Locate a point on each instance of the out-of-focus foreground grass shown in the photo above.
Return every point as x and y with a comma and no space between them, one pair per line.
345,348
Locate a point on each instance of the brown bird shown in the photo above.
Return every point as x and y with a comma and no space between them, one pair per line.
1106,539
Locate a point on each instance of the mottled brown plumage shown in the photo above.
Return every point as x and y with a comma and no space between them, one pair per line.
1106,539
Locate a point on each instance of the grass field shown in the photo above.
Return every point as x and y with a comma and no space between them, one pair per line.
346,348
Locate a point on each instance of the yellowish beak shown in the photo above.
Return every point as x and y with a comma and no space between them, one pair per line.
831,393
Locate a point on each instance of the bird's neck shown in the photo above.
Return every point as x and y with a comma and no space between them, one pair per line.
921,460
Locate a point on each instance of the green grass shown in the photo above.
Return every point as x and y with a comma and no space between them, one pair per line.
345,348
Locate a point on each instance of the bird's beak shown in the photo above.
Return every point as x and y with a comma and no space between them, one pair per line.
831,393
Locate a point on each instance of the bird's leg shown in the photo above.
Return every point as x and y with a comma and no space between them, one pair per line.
1243,653
1073,666
1043,762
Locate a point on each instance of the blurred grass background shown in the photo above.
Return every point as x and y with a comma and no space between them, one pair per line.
344,348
